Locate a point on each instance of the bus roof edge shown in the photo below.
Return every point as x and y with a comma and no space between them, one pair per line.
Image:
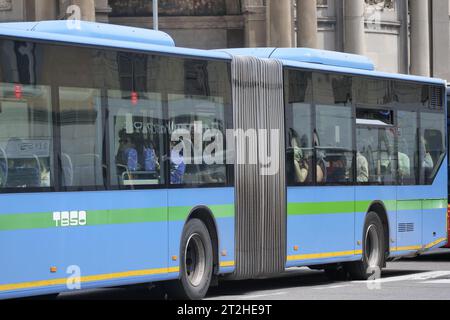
316,56
94,30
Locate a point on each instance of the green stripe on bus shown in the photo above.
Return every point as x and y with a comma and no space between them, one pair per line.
435,204
108,217
127,216
409,205
219,211
26,221
312,208
315,208
124,216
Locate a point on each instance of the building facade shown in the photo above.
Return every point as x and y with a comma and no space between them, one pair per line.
406,36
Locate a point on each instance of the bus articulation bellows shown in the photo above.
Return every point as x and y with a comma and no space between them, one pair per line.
95,193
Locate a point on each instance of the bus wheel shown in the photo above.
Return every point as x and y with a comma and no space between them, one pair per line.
196,263
373,250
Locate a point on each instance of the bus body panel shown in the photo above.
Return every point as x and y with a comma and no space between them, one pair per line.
320,224
125,239
220,202
365,197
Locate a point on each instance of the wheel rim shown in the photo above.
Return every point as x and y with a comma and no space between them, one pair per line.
195,260
372,246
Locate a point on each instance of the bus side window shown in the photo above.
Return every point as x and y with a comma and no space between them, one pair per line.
432,144
26,139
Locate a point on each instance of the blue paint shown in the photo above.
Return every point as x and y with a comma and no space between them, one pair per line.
155,43
203,197
103,249
95,200
307,55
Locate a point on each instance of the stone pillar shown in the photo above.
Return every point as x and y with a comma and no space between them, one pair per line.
87,9
45,10
440,45
354,26
280,23
102,10
254,13
420,38
307,23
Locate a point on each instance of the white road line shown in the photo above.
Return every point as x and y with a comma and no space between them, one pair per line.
412,277
332,287
263,295
439,281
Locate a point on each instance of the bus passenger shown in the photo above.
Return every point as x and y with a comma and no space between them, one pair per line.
151,163
427,161
404,163
177,164
300,164
362,168
127,154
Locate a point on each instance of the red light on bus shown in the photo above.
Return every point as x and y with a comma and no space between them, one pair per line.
134,98
18,91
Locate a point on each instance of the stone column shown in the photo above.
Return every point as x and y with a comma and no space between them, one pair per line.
87,9
280,23
354,26
254,13
307,23
441,36
420,38
102,10
45,10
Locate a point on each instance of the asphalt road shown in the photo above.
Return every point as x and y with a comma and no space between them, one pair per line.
425,277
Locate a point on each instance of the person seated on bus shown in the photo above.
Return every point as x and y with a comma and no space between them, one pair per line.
321,166
427,161
151,163
404,166
404,163
301,166
337,170
177,163
386,164
362,168
127,154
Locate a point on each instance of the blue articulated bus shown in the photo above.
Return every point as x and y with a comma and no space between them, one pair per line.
330,164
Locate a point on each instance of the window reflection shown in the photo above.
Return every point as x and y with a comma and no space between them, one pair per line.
136,131
432,144
408,153
300,151
26,155
197,127
81,137
376,153
333,142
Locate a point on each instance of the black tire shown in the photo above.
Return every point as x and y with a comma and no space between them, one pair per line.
373,250
196,263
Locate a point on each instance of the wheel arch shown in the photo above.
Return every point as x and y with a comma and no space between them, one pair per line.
205,214
379,208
